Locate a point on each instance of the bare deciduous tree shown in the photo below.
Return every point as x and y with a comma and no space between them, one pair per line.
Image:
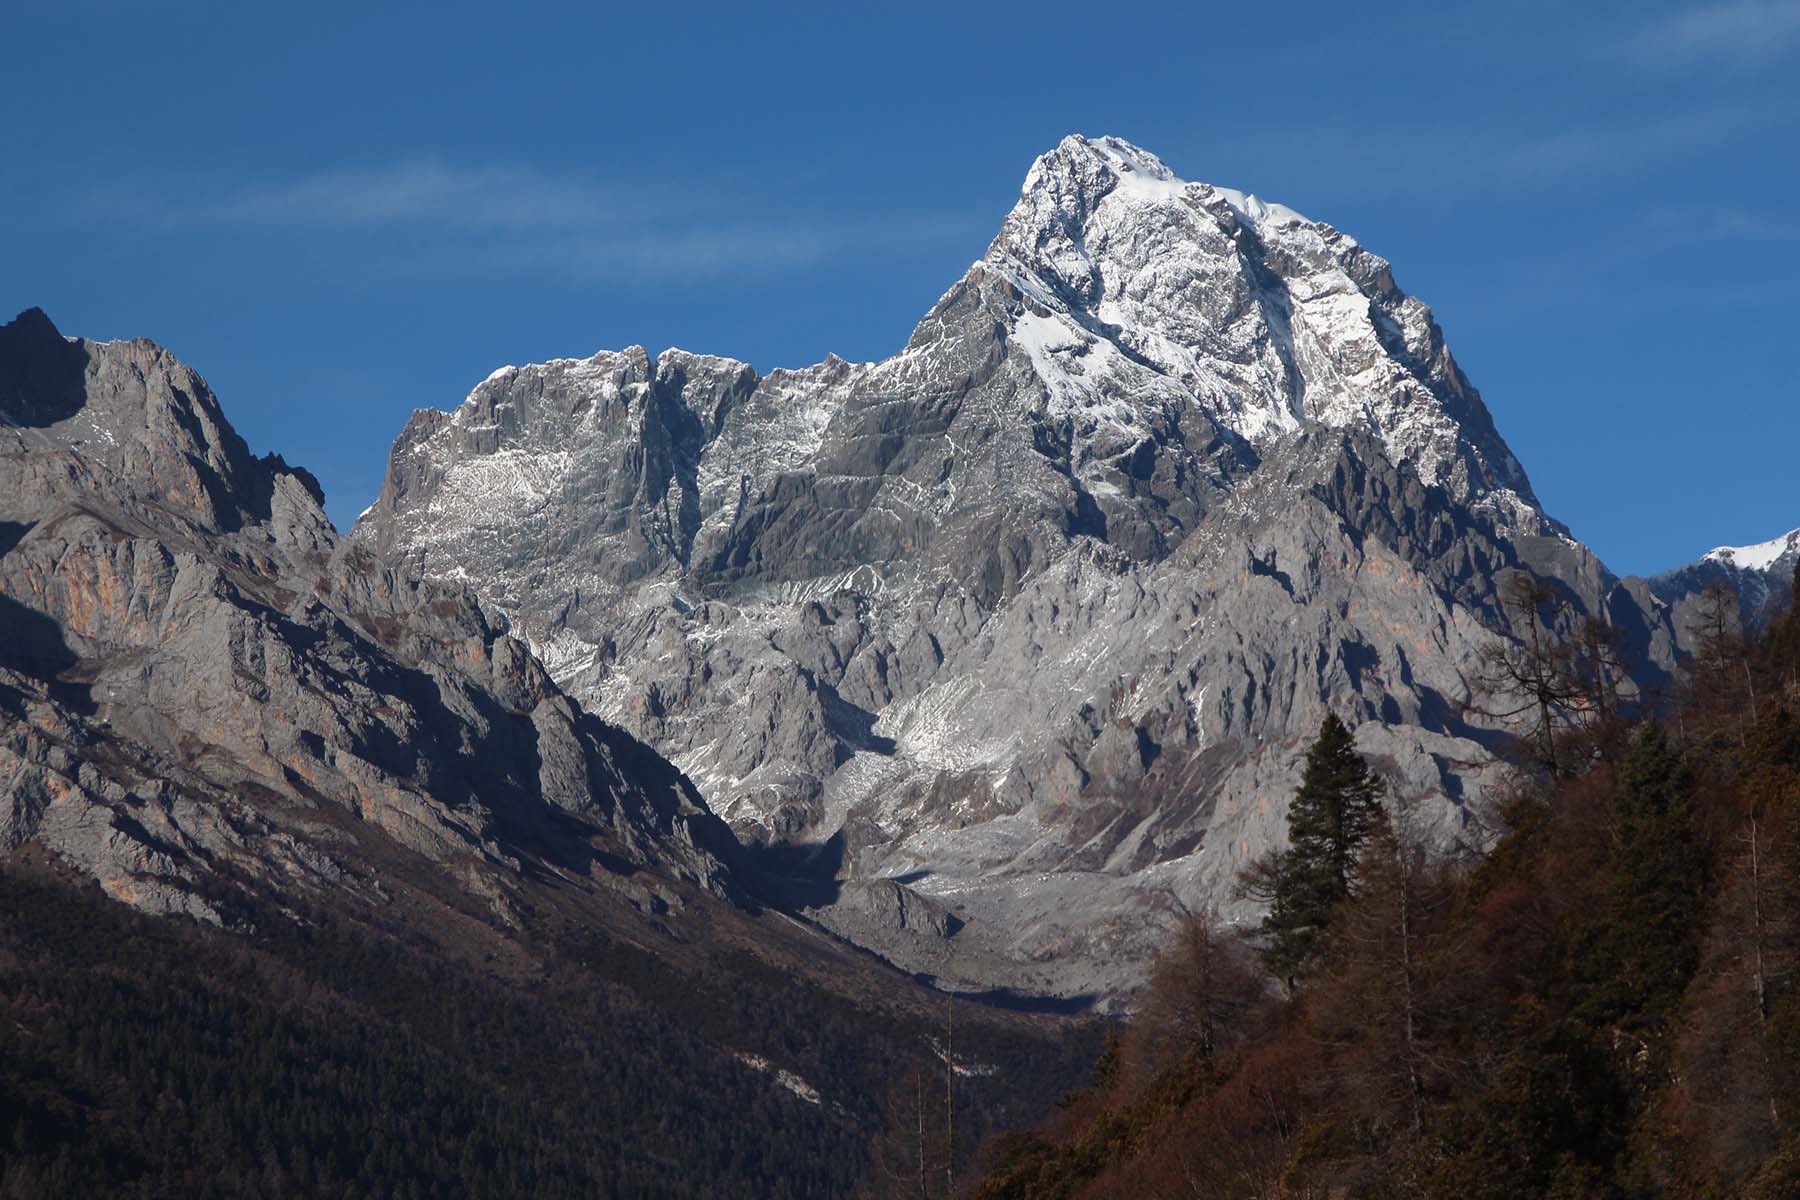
1201,992
1553,683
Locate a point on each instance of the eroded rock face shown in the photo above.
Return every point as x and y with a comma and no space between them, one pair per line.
1034,619
200,678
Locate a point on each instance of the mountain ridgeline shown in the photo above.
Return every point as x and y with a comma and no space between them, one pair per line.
436,930
1007,640
608,812
190,609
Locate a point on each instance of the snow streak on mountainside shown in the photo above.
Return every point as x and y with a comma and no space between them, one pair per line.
1014,637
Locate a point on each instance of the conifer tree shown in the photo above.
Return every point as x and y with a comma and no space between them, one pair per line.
1780,650
1338,803
1646,945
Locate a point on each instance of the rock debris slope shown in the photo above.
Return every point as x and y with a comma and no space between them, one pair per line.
201,684
1013,639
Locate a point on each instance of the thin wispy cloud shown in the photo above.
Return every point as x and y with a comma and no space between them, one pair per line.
1619,147
1736,223
411,194
713,250
1380,160
520,219
1690,222
1744,31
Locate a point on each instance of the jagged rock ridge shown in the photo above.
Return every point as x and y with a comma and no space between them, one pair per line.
202,683
1030,620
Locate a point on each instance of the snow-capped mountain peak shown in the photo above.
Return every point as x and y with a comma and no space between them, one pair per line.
1762,576
1761,557
1141,176
1148,294
1036,613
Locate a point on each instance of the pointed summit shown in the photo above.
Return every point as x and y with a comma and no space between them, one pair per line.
1152,294
34,321
40,371
1111,166
1102,165
1032,613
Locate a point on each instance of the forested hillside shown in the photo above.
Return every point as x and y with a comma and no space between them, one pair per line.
1604,1007
320,1056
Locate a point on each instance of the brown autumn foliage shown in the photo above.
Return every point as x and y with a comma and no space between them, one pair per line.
1607,1005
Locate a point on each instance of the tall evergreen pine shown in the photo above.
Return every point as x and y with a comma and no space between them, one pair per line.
1643,949
1338,804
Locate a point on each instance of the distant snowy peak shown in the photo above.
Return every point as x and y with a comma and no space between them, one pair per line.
1762,576
1764,556
1267,320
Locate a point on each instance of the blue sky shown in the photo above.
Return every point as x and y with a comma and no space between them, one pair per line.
340,215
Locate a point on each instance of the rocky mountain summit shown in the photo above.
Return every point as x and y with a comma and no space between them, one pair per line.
1012,640
203,685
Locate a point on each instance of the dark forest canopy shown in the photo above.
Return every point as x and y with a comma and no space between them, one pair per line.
148,1057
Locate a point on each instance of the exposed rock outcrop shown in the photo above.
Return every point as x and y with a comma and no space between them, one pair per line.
1034,618
200,681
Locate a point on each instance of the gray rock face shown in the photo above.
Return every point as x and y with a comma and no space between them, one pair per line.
200,681
1033,619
